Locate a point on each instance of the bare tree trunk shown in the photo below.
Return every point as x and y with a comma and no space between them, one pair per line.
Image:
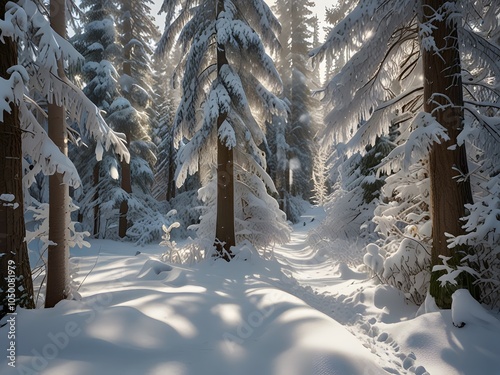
126,182
443,98
126,185
97,208
171,171
16,286
224,233
58,253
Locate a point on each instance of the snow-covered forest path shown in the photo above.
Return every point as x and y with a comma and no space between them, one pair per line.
300,261
134,314
330,286
298,313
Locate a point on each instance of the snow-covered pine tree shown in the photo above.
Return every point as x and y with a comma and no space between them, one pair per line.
118,77
224,52
164,183
382,81
333,15
15,282
137,33
320,176
296,40
40,51
96,41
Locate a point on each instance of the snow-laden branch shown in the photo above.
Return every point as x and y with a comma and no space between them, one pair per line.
425,132
51,48
44,155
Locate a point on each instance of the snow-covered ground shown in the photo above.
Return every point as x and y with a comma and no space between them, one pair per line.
298,314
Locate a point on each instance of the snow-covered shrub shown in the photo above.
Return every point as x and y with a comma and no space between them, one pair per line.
485,270
147,224
351,205
188,208
40,227
258,218
408,269
320,176
482,238
404,226
374,260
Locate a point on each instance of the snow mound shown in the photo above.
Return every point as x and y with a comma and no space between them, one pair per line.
154,270
466,310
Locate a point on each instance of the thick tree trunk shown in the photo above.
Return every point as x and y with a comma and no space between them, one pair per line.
126,185
443,98
15,281
126,182
224,233
58,253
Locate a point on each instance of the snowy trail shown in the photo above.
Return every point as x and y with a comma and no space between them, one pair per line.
331,288
139,316
298,314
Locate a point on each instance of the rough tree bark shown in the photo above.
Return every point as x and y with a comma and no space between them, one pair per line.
224,232
126,185
126,182
13,249
443,98
58,253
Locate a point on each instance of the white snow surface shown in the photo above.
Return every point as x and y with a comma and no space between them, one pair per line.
301,313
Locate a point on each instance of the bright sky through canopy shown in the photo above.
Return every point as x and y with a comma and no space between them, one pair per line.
319,10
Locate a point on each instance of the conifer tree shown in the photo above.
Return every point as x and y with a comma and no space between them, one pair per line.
42,53
137,32
391,77
296,39
16,287
223,46
443,98
96,41
118,77
164,183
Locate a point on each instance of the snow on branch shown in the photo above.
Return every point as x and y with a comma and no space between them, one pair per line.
425,131
261,18
14,24
186,22
226,135
351,33
80,109
50,49
374,77
51,46
37,146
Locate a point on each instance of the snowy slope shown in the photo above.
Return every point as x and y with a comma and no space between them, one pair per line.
300,314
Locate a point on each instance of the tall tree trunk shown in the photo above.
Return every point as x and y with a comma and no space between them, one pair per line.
126,182
97,208
126,185
14,262
58,253
171,171
224,232
443,98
